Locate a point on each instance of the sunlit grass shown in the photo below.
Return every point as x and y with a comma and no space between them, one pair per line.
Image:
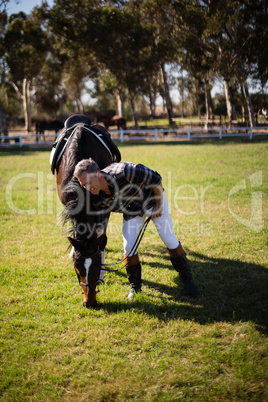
163,346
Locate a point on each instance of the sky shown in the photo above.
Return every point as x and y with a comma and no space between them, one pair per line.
15,6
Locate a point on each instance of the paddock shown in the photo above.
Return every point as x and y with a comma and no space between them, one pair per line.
161,346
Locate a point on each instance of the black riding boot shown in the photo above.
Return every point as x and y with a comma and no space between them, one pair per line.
134,276
181,264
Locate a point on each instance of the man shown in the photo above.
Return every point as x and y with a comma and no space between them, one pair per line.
137,192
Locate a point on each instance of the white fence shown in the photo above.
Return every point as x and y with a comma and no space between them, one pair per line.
154,135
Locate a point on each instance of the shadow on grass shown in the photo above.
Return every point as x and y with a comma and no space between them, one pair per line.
228,291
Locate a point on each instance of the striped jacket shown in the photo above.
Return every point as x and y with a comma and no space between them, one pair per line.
131,189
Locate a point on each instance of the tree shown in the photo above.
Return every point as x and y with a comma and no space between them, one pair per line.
198,55
3,22
161,19
67,27
134,42
121,33
239,30
26,49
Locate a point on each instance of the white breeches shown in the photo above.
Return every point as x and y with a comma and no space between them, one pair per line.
163,224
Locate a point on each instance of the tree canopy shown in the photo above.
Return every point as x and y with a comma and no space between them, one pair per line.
127,48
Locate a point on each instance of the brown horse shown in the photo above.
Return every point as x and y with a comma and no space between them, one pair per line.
83,142
49,125
118,121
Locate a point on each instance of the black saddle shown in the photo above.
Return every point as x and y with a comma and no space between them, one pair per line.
97,130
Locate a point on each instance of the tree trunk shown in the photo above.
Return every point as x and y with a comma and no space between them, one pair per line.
249,104
3,123
26,103
61,107
24,99
228,101
152,102
120,107
207,108
167,95
196,110
79,106
134,113
244,107
208,102
29,104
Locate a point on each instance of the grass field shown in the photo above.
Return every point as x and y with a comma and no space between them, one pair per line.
162,346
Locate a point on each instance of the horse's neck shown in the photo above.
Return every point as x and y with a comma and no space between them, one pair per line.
81,146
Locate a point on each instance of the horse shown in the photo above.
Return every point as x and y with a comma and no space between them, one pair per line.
50,125
118,121
82,140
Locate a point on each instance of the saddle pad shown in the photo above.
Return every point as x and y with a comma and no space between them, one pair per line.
58,148
105,138
97,130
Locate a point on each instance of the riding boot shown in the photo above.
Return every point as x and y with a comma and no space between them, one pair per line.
181,264
133,269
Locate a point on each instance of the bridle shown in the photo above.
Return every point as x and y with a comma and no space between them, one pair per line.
91,284
128,257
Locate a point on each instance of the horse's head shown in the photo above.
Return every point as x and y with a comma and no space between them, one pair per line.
87,263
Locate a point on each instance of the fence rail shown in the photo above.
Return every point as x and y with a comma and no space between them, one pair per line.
154,135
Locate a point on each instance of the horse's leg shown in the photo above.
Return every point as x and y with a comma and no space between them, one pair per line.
102,271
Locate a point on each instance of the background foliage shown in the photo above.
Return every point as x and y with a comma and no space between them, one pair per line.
131,51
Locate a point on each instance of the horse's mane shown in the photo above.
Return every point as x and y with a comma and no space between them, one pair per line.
75,198
77,201
73,154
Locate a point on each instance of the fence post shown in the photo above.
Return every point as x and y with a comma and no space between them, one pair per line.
189,134
20,141
220,133
155,134
122,135
250,133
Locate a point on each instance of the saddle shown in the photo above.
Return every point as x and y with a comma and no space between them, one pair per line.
97,130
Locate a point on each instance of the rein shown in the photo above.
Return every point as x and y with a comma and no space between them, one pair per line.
133,250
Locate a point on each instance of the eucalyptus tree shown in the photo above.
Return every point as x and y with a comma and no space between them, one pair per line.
73,26
258,41
197,57
68,65
158,18
122,45
109,37
3,22
239,30
26,49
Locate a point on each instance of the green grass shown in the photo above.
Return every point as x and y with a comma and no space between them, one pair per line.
162,346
